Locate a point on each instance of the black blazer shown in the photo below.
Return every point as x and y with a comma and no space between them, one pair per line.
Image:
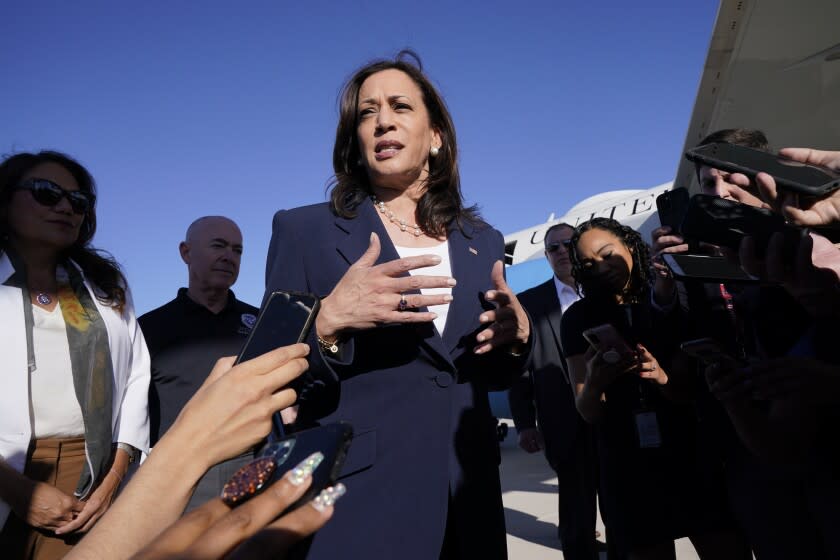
544,396
418,401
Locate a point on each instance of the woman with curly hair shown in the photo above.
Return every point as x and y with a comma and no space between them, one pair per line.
651,490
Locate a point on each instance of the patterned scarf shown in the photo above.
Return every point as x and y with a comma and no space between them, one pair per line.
90,360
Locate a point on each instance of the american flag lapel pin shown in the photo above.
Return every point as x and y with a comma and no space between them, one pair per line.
473,251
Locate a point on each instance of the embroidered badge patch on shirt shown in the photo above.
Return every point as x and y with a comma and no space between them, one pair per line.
249,320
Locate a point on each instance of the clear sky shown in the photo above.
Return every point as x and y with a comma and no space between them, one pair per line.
183,109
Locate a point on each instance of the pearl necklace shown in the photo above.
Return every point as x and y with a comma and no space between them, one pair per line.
404,226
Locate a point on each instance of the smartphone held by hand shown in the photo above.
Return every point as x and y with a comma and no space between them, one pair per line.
285,319
607,340
803,178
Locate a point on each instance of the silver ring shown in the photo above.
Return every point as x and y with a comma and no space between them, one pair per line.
403,305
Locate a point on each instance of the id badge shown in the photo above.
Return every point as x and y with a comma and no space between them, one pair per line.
647,429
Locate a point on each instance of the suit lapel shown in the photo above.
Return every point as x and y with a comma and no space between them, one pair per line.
464,263
358,230
356,241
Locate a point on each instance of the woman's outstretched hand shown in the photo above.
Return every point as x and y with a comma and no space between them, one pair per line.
508,324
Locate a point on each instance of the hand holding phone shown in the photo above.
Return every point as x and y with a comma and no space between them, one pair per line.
321,450
804,178
285,319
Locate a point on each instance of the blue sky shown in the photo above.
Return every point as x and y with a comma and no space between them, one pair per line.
183,109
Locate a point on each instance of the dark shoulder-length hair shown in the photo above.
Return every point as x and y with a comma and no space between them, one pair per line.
442,203
99,267
641,278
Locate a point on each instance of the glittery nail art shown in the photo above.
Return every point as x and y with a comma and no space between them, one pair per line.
300,473
280,451
247,481
328,497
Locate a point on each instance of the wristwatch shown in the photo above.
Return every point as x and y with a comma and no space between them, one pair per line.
133,452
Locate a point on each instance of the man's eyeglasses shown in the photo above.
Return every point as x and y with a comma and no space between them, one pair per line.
49,194
553,247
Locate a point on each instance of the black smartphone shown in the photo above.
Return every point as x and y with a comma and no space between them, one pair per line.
725,223
284,319
671,207
606,339
706,268
332,440
710,351
812,180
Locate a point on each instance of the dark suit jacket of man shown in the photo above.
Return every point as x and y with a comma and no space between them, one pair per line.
546,385
425,440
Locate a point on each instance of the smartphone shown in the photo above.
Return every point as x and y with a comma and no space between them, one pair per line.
725,223
812,180
671,207
706,268
607,340
285,319
710,351
333,440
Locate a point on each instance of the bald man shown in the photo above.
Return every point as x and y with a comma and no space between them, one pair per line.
187,335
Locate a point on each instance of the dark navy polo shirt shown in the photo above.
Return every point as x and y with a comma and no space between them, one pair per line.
185,339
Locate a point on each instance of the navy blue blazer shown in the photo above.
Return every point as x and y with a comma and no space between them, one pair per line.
425,441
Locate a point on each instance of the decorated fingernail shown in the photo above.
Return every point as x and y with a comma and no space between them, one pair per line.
247,481
304,470
279,451
328,497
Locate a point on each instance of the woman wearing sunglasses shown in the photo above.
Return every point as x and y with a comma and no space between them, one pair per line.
75,369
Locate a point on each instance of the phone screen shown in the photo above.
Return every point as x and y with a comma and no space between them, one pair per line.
793,175
285,319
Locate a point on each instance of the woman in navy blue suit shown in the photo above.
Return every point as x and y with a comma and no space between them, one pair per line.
416,325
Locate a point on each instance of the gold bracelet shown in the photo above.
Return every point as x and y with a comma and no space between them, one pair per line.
326,346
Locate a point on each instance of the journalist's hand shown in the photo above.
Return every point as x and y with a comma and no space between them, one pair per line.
801,210
813,286
232,410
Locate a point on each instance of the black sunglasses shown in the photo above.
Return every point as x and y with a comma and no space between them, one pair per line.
553,247
49,194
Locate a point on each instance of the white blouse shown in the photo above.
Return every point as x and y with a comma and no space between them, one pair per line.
53,404
444,268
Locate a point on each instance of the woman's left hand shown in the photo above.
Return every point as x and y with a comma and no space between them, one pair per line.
508,323
94,507
649,367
